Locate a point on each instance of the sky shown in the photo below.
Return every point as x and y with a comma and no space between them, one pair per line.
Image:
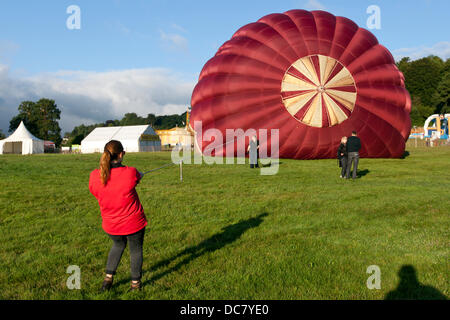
145,56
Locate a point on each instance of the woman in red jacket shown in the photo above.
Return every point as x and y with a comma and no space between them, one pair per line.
113,184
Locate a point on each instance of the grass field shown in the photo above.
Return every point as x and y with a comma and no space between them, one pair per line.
227,232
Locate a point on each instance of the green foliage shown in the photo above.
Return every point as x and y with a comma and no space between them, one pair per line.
40,118
151,118
2,135
28,113
80,132
419,112
169,122
428,83
150,137
423,77
132,119
442,94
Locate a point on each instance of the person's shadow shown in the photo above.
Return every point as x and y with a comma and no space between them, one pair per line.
409,288
362,173
228,235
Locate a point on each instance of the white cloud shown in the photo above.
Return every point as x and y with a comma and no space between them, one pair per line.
314,5
440,49
174,41
178,28
90,97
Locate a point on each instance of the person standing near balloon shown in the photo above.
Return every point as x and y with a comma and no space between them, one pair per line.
113,184
342,156
253,150
353,147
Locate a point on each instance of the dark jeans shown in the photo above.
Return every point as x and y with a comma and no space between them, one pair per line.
136,241
343,162
353,157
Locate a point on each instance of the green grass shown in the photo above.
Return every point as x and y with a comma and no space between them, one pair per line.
226,232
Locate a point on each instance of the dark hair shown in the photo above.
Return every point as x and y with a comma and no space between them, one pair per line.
110,153
354,132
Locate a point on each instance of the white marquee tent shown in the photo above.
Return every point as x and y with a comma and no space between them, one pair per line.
133,139
21,142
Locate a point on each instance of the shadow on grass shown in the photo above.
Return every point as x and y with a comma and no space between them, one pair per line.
409,288
228,235
267,165
405,155
362,173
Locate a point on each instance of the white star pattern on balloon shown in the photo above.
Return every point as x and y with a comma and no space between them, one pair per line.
318,91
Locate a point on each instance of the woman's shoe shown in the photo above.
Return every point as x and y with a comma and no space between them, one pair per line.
135,285
107,283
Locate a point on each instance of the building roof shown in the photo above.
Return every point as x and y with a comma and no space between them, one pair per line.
21,134
118,133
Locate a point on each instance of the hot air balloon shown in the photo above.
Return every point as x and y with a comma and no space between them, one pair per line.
315,77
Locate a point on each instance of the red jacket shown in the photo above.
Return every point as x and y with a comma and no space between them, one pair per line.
121,210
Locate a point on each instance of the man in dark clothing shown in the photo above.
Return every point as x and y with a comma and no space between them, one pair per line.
342,156
353,147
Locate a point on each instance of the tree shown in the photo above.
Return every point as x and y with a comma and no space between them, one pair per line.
442,94
171,121
80,132
419,112
27,114
77,139
428,83
403,64
47,122
40,118
112,123
129,119
2,136
422,77
151,119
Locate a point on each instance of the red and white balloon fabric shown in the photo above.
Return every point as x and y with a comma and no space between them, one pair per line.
315,77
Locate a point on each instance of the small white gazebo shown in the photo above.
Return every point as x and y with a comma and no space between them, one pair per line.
21,142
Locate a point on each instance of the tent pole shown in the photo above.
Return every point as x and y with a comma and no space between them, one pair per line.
181,170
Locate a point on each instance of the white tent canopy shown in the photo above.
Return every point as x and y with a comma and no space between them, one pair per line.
131,138
21,142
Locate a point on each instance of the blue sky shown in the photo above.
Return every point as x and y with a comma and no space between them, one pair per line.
163,43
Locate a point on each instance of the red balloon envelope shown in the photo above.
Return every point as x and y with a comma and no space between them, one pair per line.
313,76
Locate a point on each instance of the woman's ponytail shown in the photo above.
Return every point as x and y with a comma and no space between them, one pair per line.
105,166
110,153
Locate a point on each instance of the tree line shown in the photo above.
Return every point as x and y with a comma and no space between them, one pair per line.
428,83
40,118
